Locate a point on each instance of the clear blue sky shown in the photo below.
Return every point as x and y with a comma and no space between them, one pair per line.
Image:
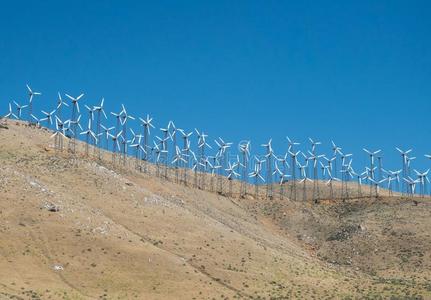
357,72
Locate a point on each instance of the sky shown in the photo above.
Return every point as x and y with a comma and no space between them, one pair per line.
356,72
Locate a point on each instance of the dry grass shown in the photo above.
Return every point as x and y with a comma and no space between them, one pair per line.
121,234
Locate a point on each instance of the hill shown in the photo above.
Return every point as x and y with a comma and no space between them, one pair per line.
76,227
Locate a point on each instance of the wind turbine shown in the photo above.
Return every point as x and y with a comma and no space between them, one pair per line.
293,156
124,117
404,172
331,188
37,120
303,172
74,120
106,134
222,154
331,164
48,117
268,156
376,184
256,174
291,144
346,172
411,185
201,146
282,174
60,104
99,112
423,179
10,113
89,133
335,151
313,145
315,159
177,158
372,155
215,165
244,149
164,146
138,147
59,134
146,123
186,150
409,160
115,144
231,174
19,109
31,94
172,132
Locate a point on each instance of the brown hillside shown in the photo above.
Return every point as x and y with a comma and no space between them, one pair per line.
123,234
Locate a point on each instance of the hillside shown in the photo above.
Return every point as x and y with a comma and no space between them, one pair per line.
83,228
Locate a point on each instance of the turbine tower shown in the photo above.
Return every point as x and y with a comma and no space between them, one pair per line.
372,156
74,121
244,149
293,156
404,169
146,123
269,154
99,112
31,94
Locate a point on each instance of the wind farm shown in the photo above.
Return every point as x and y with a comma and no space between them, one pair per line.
159,174
278,172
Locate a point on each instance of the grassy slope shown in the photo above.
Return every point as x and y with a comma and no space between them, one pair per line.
124,235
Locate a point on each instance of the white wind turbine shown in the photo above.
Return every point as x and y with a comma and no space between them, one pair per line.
293,156
303,172
409,161
10,113
99,112
74,120
37,120
422,179
244,149
59,134
202,158
256,174
231,174
282,175
48,117
115,144
372,156
31,94
223,155
335,151
89,134
146,123
136,145
376,184
106,134
404,171
411,185
313,145
19,109
315,158
178,157
331,188
186,150
124,117
60,104
268,155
